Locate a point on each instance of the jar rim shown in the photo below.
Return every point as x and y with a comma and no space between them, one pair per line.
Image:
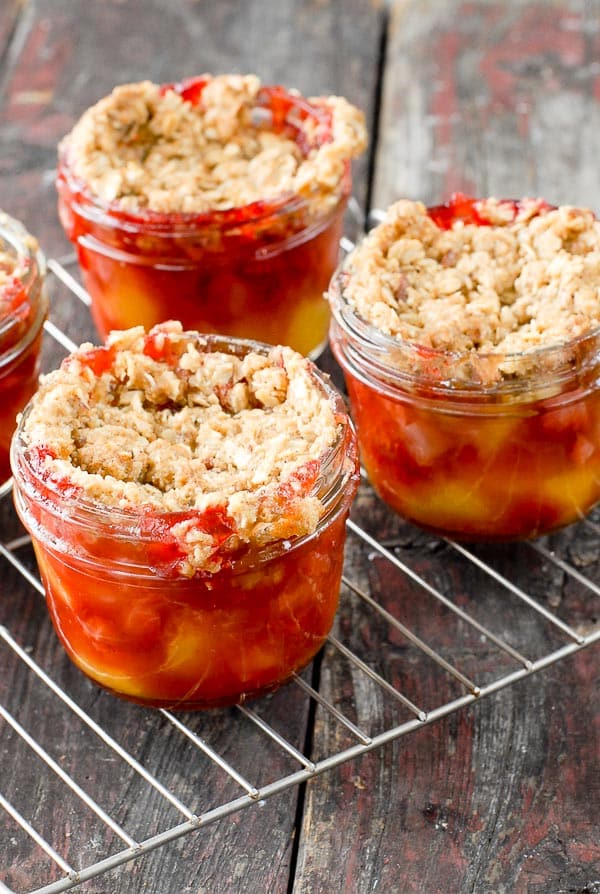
15,236
338,468
19,327
109,214
456,371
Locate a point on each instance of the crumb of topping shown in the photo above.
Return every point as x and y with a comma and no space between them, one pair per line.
529,280
157,423
149,148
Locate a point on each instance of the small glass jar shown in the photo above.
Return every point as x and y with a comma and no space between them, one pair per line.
464,458
138,627
258,271
23,309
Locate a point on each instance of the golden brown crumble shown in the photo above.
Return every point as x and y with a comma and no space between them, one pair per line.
523,283
207,429
149,148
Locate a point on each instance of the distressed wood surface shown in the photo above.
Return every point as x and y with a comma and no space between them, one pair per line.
497,798
64,56
503,797
488,98
491,98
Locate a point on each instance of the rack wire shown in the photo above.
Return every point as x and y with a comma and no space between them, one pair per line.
512,664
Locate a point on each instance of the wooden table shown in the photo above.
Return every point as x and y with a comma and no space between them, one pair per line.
503,796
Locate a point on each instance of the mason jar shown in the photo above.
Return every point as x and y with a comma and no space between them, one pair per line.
137,625
258,271
23,310
473,446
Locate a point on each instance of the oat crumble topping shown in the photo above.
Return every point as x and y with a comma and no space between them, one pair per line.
198,429
149,148
525,282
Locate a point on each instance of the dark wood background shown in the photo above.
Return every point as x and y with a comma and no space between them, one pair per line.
490,97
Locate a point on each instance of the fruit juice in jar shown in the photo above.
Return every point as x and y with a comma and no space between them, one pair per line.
23,309
181,609
252,266
167,642
477,447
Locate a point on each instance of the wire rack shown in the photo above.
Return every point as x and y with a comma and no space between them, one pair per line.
510,661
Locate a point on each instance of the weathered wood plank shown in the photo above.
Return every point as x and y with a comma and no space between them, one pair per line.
491,97
482,800
69,55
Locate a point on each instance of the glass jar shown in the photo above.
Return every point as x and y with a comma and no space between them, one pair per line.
23,309
473,447
258,271
131,621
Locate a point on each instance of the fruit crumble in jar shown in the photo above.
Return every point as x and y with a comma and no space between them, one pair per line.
186,497
217,201
470,342
23,309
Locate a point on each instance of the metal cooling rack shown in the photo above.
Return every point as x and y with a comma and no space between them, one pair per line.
512,665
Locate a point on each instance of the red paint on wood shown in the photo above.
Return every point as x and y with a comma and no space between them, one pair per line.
444,109
534,44
31,101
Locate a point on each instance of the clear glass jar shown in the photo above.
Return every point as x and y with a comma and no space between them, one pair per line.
23,309
473,447
257,271
136,626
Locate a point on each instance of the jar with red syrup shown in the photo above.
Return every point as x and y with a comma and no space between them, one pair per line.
138,626
256,271
23,310
458,446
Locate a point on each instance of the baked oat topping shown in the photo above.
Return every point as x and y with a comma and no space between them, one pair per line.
528,278
156,423
150,148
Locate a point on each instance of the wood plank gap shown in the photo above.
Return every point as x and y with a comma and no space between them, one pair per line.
377,103
15,42
307,751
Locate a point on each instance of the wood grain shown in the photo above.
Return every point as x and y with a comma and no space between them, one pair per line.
491,98
480,801
68,55
503,797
